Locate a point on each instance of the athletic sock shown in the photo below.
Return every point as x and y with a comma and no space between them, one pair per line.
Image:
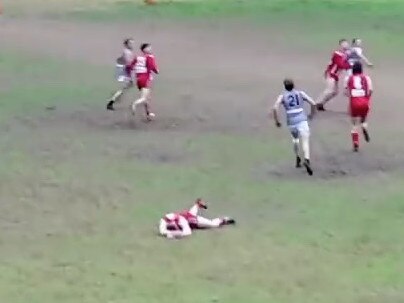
355,139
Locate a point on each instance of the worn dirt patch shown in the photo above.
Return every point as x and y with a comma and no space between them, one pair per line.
215,78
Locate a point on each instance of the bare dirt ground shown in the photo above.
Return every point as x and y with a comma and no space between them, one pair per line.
220,79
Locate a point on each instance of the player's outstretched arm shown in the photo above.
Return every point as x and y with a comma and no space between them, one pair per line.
275,111
310,100
366,60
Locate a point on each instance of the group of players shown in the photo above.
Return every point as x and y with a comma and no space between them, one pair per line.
348,59
139,66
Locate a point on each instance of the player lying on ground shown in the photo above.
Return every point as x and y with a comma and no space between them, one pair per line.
144,66
123,73
296,119
181,224
339,62
359,91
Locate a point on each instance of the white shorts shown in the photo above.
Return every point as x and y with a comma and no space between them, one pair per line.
300,129
121,75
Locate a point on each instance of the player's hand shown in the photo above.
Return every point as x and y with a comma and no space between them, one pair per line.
278,124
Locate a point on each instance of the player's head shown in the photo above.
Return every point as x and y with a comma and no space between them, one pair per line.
146,48
288,84
128,43
357,68
356,42
343,44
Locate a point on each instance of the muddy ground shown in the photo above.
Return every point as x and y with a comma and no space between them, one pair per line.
216,78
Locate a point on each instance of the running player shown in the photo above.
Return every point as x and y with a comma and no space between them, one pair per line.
356,54
359,90
339,62
144,67
123,73
296,119
181,224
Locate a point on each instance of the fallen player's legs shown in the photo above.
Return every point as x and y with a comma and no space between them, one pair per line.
209,223
330,92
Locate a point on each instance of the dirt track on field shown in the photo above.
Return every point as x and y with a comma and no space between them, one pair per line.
218,79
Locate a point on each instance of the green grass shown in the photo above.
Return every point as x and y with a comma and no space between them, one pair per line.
87,235
379,22
78,206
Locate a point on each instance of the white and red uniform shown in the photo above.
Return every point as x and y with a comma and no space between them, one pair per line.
144,66
339,62
359,89
182,223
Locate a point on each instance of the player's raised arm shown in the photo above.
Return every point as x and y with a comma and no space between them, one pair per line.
312,103
275,111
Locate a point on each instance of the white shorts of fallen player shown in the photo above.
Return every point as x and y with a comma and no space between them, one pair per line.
300,130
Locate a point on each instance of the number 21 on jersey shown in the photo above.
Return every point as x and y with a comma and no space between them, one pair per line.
293,100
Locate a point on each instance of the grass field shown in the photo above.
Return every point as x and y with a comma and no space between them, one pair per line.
82,190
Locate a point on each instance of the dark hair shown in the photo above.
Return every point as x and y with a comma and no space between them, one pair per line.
342,40
354,40
357,68
127,41
143,46
288,84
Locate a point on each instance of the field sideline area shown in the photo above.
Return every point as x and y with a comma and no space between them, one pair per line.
82,189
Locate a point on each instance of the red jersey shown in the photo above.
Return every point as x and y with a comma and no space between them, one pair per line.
359,88
144,65
339,62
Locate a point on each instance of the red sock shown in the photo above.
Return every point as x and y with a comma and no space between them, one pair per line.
355,139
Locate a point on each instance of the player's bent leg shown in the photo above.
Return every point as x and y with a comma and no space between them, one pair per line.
144,94
329,93
117,96
304,132
364,124
296,143
355,133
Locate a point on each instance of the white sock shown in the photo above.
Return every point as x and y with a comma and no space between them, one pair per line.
296,146
306,147
117,95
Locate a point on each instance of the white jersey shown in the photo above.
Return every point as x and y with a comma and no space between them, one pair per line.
355,54
121,63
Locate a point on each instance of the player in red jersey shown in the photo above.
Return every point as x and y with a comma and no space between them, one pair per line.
339,62
181,224
144,66
359,90
123,73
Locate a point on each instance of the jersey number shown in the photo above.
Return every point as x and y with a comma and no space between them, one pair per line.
293,100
